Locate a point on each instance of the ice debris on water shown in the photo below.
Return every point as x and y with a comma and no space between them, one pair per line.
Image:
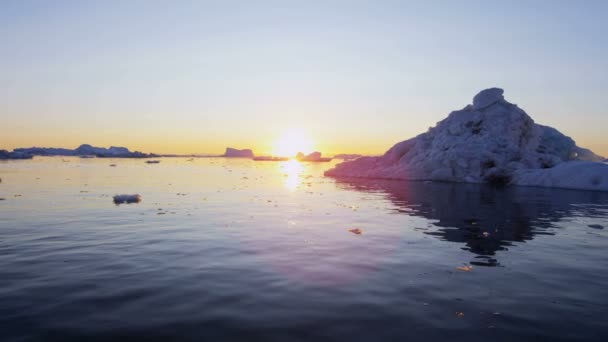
465,268
120,199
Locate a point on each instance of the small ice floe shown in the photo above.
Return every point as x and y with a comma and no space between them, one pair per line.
120,199
356,231
465,268
152,161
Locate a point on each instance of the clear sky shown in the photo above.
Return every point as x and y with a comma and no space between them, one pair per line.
356,76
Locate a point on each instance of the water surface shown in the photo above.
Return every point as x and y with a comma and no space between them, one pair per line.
231,249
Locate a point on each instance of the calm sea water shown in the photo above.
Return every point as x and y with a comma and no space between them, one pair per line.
223,249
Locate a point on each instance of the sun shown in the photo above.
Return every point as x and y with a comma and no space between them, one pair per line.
291,142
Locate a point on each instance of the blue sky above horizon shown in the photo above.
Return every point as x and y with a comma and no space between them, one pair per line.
357,76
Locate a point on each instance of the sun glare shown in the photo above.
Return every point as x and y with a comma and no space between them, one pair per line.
292,170
291,142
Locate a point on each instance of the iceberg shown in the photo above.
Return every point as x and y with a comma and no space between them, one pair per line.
312,157
85,150
490,141
236,153
347,156
120,199
4,154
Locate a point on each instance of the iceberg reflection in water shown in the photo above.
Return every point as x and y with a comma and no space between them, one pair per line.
486,219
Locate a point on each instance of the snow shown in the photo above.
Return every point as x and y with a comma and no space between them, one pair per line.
347,156
568,175
120,199
487,97
490,141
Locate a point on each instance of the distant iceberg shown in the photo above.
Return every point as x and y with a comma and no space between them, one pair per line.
85,150
4,154
121,199
236,153
490,141
312,157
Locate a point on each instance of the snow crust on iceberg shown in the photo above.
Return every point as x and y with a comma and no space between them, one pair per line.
491,141
569,175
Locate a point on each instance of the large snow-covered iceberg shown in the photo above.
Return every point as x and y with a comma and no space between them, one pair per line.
491,141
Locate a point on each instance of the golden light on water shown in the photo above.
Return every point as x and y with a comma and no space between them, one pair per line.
291,142
292,171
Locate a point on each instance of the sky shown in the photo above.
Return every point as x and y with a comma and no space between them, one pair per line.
354,76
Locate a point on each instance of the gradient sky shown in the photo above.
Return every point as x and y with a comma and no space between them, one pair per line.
357,76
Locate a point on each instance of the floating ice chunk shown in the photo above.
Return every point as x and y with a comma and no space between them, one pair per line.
356,231
236,153
120,199
466,268
312,157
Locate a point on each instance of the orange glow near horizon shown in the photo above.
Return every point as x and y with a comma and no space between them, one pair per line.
261,144
291,142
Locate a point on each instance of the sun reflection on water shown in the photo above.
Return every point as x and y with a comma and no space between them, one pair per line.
292,170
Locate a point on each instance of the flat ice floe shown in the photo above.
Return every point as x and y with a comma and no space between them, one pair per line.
490,141
120,199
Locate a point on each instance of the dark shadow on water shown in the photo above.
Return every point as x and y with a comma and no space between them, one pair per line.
485,219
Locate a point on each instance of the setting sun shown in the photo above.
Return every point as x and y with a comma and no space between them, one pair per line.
291,142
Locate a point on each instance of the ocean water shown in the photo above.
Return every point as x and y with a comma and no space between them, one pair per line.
232,249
